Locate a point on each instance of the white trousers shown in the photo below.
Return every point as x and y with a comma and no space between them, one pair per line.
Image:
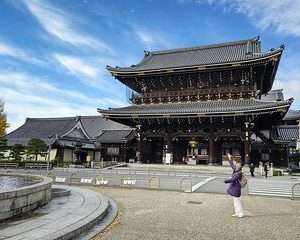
238,208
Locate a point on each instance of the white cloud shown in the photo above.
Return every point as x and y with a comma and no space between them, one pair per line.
58,24
282,16
183,1
145,37
29,96
290,83
76,65
151,39
87,70
11,51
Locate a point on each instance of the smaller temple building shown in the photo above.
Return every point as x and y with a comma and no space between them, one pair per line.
100,139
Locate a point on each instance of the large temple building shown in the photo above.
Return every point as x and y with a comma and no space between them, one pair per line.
194,105
188,106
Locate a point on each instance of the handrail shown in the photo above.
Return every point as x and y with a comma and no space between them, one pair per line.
9,165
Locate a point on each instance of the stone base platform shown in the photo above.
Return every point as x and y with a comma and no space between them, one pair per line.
62,218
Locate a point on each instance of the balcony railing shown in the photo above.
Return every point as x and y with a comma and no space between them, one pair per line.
193,92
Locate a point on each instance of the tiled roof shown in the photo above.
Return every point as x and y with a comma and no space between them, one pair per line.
95,124
285,133
50,129
70,143
115,136
292,115
230,52
45,129
205,107
273,95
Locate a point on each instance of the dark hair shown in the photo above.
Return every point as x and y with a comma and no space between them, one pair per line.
239,161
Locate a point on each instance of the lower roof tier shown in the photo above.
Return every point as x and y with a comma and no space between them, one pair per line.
204,108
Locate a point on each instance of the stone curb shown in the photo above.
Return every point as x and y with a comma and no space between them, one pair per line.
84,225
103,224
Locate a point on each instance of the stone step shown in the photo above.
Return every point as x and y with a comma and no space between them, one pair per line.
62,217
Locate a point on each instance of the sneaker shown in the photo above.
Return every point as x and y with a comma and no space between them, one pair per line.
234,215
241,216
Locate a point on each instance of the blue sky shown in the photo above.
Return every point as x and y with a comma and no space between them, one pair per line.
53,53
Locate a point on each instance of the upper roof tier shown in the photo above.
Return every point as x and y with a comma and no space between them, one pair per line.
215,54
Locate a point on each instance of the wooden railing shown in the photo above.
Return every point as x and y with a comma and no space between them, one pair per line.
193,92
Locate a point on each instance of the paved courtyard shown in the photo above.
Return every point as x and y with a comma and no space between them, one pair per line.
172,215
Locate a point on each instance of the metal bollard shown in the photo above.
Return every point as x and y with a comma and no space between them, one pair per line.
152,179
293,188
190,182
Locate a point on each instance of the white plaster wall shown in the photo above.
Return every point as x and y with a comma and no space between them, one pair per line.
97,156
68,155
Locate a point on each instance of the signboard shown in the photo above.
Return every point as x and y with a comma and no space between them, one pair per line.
169,158
86,180
101,181
60,179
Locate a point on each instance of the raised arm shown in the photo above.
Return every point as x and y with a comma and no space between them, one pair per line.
230,161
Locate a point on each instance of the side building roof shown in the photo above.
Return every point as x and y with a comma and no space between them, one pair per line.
273,95
52,130
285,133
292,115
116,136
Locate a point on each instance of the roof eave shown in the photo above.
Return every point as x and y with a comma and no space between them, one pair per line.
132,72
191,114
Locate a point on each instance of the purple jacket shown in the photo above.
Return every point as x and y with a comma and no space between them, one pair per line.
234,188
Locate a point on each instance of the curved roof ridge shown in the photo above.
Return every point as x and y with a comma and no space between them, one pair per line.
119,129
184,103
286,100
287,126
51,118
215,45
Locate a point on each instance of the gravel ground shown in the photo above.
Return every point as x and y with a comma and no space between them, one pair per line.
146,214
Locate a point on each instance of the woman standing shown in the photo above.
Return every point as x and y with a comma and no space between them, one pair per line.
234,188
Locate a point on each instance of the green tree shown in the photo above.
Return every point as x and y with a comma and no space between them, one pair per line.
16,152
3,147
36,147
3,120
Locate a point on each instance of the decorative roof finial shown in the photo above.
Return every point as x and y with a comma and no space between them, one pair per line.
282,46
146,53
77,118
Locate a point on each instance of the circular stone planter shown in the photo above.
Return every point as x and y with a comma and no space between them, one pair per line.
24,199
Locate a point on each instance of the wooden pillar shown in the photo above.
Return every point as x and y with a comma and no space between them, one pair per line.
169,144
139,144
211,142
247,145
169,152
247,152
